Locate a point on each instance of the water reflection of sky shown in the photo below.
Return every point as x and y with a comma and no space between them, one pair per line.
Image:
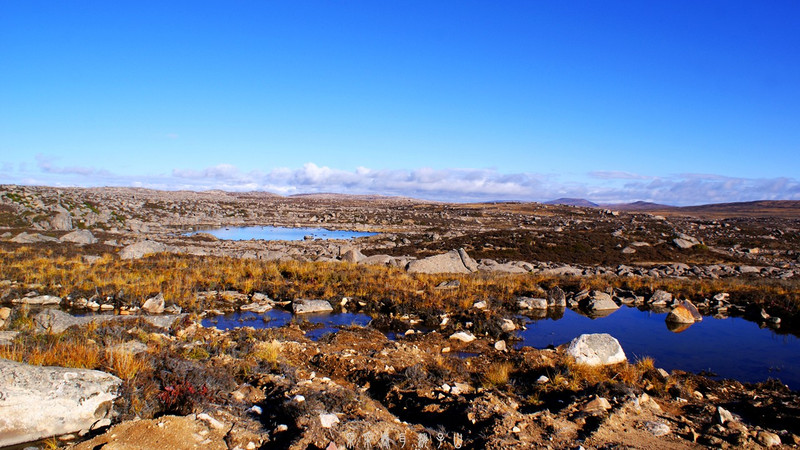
732,348
280,233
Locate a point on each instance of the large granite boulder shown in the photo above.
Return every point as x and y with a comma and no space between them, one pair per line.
142,249
38,300
596,350
39,402
450,262
81,237
56,321
154,305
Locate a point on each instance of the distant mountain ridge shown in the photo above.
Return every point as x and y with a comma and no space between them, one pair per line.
572,202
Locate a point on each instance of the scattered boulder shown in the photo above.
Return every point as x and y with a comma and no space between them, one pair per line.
660,298
463,336
684,241
596,350
303,306
39,402
556,297
657,428
56,321
154,305
62,221
532,303
81,237
768,439
39,300
600,301
450,262
142,249
258,308
353,255
684,312
32,238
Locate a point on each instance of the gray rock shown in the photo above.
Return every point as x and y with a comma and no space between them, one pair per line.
258,308
532,303
38,300
596,349
683,243
39,402
563,271
463,336
660,298
600,301
657,428
468,262
378,260
141,249
79,237
353,255
56,321
450,262
32,238
723,416
61,222
556,297
303,306
154,305
7,337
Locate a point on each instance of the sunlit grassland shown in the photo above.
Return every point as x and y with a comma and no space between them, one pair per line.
180,277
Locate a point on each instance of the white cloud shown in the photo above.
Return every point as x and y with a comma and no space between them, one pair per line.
435,184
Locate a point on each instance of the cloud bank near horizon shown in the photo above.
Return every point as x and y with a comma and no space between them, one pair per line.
443,184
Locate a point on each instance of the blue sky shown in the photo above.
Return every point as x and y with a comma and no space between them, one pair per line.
678,102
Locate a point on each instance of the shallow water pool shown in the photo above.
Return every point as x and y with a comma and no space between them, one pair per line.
279,233
731,347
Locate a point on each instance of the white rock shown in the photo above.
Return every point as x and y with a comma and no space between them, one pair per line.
142,249
596,349
657,428
328,420
500,346
507,325
39,402
303,306
463,336
154,305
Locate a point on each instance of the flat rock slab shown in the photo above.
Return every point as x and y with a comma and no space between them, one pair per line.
56,321
450,262
311,306
164,433
142,249
38,300
596,350
39,402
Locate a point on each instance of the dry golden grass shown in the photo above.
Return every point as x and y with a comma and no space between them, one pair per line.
179,277
497,374
267,351
55,352
125,364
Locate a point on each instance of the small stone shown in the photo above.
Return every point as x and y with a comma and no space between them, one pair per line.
5,312
768,439
281,428
463,336
154,305
299,398
723,415
597,406
480,305
500,346
328,420
542,379
657,428
507,325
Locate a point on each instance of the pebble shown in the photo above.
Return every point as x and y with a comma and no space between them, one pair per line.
768,439
657,428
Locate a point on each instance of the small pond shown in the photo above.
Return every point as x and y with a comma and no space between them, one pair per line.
275,318
279,233
731,348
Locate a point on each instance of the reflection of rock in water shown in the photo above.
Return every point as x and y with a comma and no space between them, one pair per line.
676,327
556,313
536,314
598,314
